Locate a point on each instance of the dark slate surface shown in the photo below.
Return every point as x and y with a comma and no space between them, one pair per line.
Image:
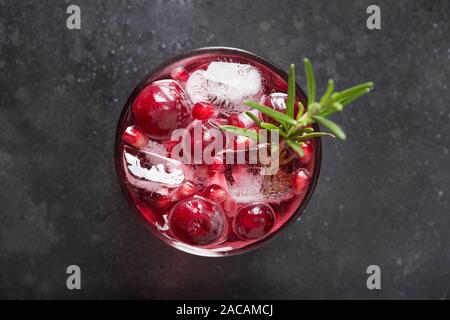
383,196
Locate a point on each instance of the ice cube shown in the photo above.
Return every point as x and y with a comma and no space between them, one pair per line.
148,170
226,84
250,186
233,81
246,187
197,87
154,151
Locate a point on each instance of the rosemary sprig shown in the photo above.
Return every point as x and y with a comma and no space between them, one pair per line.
296,129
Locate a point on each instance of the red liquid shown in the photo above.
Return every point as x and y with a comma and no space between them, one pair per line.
217,209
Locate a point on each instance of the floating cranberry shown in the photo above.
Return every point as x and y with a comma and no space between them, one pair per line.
216,193
180,74
135,137
162,107
203,111
300,181
197,221
254,221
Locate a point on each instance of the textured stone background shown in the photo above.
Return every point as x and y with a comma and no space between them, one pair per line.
383,196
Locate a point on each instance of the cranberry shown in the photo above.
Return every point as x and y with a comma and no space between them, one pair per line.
203,111
216,193
300,181
180,74
135,137
186,190
254,221
234,120
161,107
197,221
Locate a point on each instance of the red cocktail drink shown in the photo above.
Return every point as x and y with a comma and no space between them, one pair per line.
200,189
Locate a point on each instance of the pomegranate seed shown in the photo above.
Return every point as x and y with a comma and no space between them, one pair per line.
180,74
308,151
186,190
235,121
300,181
254,221
135,137
203,111
216,193
197,221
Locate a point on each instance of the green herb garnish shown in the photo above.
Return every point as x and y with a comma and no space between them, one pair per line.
295,129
